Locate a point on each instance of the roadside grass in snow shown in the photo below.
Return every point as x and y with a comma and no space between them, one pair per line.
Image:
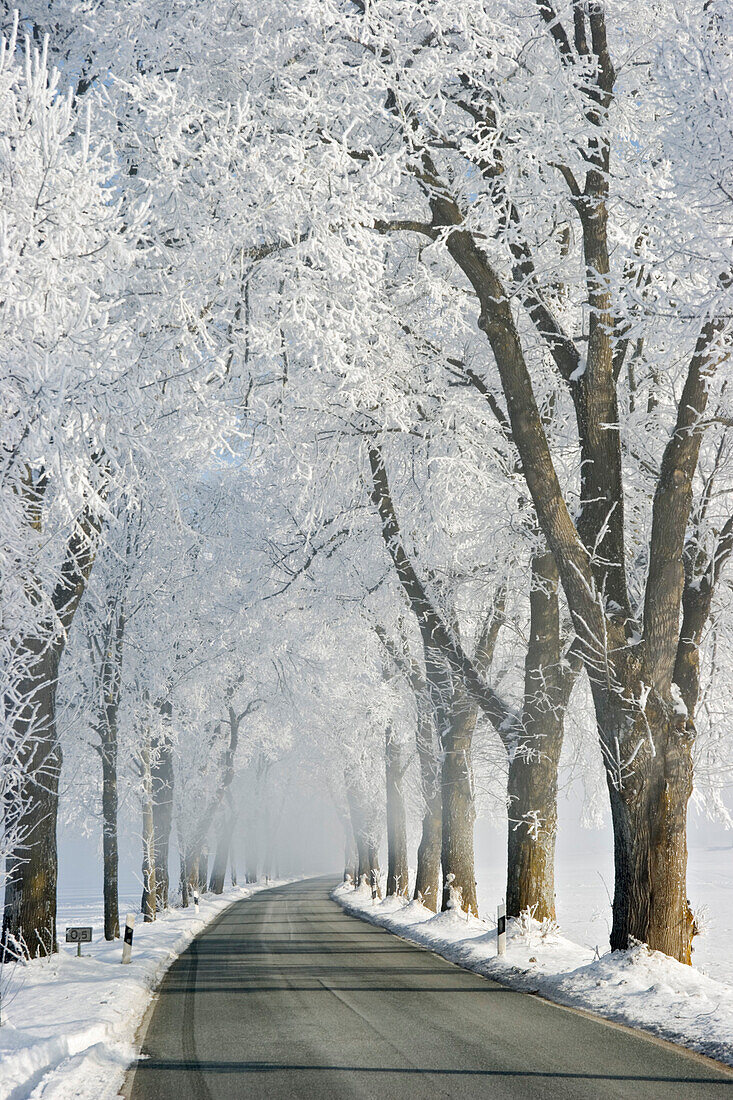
638,987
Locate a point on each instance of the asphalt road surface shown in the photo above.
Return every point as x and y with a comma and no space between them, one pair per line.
285,996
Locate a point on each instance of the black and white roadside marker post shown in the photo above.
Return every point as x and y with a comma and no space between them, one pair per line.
79,936
501,929
127,938
196,900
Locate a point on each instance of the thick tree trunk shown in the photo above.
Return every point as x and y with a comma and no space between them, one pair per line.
458,802
649,813
427,879
29,918
162,787
193,872
233,863
106,652
351,868
397,871
371,866
534,753
189,872
203,870
532,797
148,903
182,876
227,816
109,840
362,858
221,858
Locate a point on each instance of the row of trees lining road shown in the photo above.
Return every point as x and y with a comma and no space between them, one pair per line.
367,423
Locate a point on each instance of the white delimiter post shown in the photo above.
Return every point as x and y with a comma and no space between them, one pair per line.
196,900
501,929
127,941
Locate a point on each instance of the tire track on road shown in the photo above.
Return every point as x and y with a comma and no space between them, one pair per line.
188,1032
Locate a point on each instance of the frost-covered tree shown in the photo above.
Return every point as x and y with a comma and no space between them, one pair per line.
434,290
525,171
65,369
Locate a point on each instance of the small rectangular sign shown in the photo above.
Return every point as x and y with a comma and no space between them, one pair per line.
78,935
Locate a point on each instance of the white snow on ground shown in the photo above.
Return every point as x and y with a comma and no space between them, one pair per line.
69,1024
638,987
584,885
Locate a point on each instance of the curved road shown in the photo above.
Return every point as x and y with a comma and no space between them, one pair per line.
285,996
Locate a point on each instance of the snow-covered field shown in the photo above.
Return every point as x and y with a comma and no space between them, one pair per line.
584,886
637,987
69,1024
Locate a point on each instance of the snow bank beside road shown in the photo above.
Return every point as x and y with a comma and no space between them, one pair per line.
638,987
69,1026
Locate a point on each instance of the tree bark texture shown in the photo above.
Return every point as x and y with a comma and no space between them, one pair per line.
397,870
532,833
202,876
227,812
630,659
459,812
533,743
427,879
108,682
630,666
162,787
649,810
148,902
221,857
350,857
29,918
182,873
534,752
233,863
189,873
109,842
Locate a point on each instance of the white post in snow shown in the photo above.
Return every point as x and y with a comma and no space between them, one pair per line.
196,900
501,929
127,940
